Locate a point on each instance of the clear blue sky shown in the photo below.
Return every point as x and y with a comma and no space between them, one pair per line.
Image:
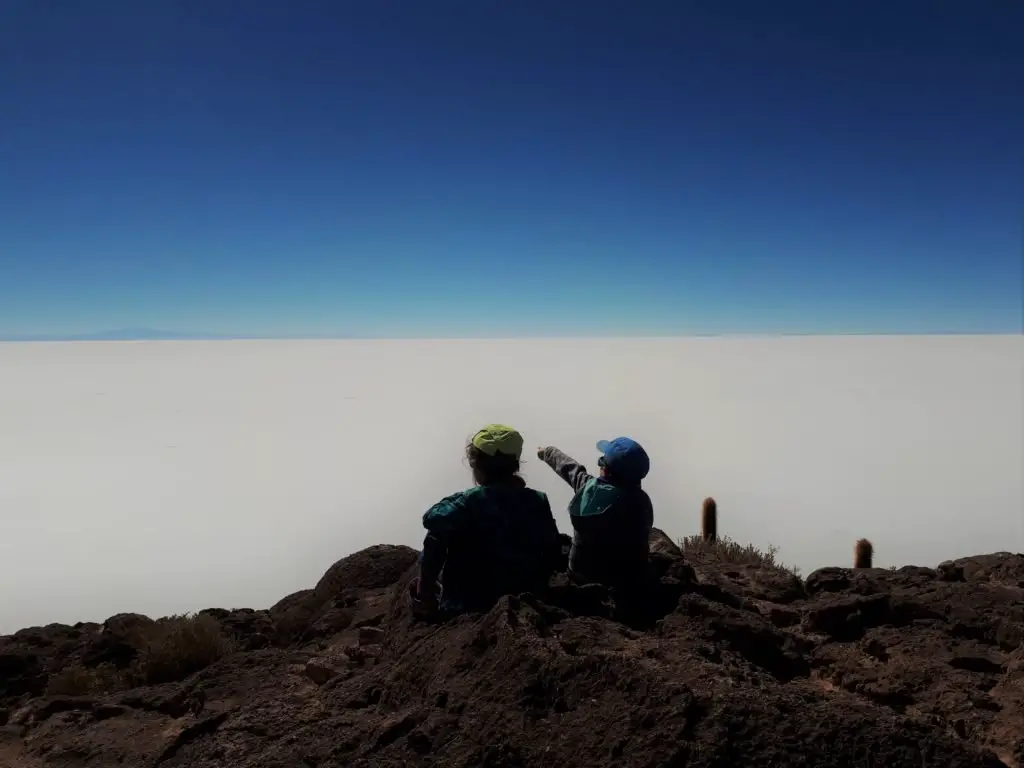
518,167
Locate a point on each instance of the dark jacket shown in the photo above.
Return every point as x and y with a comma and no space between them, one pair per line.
489,541
611,524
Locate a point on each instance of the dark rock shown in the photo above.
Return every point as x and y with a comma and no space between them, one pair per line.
711,664
661,564
217,613
371,635
255,641
332,619
828,580
371,568
1009,634
661,543
320,671
976,664
846,619
108,648
107,711
125,624
21,673
782,616
1000,568
950,571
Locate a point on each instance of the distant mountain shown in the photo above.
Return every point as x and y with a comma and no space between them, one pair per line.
120,334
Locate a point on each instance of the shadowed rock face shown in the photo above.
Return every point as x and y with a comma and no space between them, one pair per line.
718,665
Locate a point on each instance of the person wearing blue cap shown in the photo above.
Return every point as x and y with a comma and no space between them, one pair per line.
611,514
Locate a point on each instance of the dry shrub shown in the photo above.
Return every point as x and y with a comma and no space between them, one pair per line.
173,648
167,650
78,680
725,550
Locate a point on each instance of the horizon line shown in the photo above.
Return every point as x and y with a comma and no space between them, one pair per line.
172,336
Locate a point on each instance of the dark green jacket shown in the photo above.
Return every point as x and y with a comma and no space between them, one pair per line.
611,525
489,541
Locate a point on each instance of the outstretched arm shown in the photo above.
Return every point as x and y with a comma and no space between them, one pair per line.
570,470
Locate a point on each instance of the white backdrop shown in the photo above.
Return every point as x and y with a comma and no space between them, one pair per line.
171,476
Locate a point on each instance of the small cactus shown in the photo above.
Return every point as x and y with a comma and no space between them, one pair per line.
709,520
862,553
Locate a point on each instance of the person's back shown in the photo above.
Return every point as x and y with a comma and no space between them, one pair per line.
612,527
500,540
496,538
611,514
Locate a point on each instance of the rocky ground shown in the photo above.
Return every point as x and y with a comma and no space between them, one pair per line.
723,665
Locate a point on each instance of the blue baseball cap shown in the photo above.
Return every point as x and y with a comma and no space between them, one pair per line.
625,458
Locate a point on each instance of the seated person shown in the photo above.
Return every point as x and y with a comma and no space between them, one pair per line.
611,514
496,538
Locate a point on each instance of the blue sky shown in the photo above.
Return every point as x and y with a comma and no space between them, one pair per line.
527,167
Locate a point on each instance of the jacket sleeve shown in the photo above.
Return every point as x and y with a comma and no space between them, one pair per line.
443,521
432,561
447,518
570,470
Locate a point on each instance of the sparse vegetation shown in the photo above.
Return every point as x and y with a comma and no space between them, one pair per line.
725,550
78,680
176,647
167,650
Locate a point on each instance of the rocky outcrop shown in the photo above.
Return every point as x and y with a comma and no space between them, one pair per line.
719,664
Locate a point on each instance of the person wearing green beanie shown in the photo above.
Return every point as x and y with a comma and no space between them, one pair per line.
497,538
